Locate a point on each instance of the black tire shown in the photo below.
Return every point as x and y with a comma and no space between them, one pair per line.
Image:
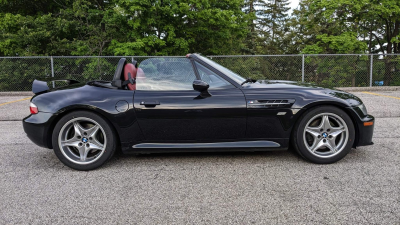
109,149
298,139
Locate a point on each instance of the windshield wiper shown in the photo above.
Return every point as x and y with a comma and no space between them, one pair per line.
248,80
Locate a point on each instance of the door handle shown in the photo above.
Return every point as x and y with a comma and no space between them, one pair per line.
149,103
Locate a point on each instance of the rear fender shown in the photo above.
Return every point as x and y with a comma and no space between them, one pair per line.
115,105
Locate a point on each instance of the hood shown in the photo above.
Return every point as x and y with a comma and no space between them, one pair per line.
303,89
348,97
279,84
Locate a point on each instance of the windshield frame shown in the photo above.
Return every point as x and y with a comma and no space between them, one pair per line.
233,77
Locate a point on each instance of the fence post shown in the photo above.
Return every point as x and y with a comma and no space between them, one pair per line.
370,70
52,70
302,68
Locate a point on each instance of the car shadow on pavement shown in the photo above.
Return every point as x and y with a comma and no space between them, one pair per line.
131,161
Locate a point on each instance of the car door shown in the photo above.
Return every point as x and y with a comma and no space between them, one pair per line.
168,109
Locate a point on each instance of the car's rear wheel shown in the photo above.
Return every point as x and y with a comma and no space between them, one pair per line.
83,140
324,135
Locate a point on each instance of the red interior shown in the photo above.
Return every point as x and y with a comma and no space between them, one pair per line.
130,68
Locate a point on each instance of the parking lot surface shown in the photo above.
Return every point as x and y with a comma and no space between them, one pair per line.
212,188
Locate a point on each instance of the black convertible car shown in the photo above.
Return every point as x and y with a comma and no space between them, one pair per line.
192,104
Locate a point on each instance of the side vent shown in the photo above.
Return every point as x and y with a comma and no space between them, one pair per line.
277,103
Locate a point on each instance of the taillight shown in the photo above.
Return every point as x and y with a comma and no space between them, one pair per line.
33,108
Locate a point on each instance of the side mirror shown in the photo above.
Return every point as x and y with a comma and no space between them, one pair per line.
200,85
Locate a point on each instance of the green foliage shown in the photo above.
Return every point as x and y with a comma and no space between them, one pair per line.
122,27
372,22
210,27
18,74
344,43
337,70
112,27
177,27
270,68
268,27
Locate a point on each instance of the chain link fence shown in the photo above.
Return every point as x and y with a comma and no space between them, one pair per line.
339,70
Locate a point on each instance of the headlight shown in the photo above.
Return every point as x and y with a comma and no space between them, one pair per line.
363,109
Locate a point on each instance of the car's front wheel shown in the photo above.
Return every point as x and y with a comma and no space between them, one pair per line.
324,135
83,140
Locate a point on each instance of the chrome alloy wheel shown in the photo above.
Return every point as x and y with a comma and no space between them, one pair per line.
325,135
82,140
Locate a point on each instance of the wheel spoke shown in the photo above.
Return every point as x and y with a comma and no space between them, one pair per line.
336,131
78,129
331,145
96,146
83,151
325,124
317,145
73,142
314,131
91,132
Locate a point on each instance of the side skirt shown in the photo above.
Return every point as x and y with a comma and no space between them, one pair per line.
205,147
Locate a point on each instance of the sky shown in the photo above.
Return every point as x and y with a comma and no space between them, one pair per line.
293,5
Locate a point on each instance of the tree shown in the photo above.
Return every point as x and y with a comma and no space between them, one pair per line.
273,24
81,27
368,21
95,24
121,27
176,27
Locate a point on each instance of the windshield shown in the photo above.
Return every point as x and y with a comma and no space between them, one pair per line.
234,76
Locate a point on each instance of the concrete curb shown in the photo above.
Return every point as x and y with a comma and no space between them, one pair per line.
359,89
16,93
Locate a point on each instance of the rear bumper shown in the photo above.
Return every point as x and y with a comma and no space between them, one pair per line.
37,128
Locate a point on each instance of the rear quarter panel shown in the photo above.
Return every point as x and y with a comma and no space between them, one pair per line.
96,99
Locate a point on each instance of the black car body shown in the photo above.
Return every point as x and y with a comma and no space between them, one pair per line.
257,115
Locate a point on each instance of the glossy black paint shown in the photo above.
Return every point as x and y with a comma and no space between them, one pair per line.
200,85
39,87
97,99
183,116
37,127
225,115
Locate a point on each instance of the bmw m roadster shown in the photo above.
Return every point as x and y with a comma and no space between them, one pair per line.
192,104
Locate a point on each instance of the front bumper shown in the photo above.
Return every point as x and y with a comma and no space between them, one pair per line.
365,133
37,128
362,123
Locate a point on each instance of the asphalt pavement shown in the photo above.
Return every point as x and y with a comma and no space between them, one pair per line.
203,188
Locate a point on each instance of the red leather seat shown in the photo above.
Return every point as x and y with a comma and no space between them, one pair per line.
129,68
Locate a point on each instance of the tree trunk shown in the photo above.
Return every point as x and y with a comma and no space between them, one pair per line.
388,71
353,77
395,33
